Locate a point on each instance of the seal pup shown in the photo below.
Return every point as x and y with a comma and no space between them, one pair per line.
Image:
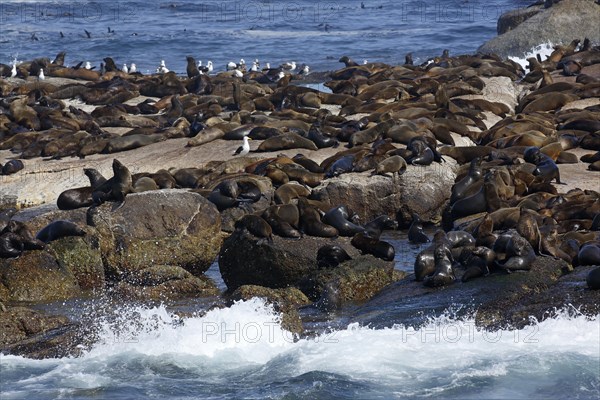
59,229
330,256
593,279
415,232
444,274
256,225
375,247
396,165
10,245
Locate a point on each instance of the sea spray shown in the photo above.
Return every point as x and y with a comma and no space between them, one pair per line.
236,351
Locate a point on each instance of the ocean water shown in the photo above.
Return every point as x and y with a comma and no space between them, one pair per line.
241,352
314,32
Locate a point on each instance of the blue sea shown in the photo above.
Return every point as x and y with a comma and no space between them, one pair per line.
242,352
316,33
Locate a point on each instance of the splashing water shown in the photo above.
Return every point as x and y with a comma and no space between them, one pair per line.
243,352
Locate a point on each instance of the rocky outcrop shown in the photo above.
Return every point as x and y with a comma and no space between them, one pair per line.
559,24
511,19
36,276
246,260
29,333
499,299
355,280
423,190
165,227
162,282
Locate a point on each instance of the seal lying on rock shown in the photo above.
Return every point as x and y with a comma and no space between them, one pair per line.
331,255
59,229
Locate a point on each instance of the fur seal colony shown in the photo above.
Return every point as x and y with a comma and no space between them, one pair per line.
506,207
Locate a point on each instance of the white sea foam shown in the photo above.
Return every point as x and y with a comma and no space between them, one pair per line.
144,345
544,50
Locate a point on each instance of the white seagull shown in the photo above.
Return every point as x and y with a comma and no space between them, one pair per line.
41,76
88,65
125,69
13,71
132,69
243,149
305,70
162,68
290,66
208,69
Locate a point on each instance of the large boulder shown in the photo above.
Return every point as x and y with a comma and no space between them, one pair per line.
32,334
424,190
164,282
511,19
559,24
164,227
81,257
355,280
246,260
36,276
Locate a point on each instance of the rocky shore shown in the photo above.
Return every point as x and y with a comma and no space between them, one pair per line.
126,186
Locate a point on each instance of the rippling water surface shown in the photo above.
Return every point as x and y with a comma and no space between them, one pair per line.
306,31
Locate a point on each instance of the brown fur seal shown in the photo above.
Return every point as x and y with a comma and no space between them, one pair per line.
330,256
286,142
375,227
339,218
59,229
478,263
518,252
72,199
256,225
280,226
12,167
415,232
375,247
310,221
25,236
394,165
117,187
10,245
443,274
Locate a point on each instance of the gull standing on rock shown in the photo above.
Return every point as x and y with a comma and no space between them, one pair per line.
243,149
290,66
13,71
132,69
41,76
125,69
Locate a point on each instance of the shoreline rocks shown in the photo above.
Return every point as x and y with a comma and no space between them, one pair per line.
559,24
